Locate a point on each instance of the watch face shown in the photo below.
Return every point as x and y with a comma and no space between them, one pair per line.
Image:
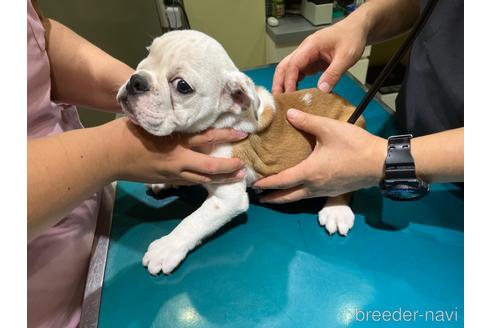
404,191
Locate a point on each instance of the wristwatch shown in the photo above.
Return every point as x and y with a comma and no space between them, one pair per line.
400,180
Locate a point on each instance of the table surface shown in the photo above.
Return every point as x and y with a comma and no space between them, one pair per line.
274,266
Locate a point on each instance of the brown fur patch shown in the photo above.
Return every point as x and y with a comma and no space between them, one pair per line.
278,145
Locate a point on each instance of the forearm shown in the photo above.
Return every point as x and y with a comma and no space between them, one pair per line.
384,19
63,170
439,157
349,158
81,73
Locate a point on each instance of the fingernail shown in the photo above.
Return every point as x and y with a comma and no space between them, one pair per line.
325,87
240,174
241,134
293,113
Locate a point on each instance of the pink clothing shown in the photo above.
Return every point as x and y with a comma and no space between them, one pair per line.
57,261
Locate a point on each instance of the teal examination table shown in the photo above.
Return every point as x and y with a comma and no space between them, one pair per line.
274,266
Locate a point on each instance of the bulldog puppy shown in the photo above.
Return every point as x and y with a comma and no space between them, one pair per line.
188,83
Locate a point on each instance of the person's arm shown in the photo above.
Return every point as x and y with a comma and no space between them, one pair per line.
384,19
439,157
347,158
336,48
64,169
81,73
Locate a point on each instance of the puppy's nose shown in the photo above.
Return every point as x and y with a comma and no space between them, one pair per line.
137,84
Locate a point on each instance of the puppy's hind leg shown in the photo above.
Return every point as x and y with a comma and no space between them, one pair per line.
224,203
337,215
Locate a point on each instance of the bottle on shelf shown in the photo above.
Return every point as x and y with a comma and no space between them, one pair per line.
278,8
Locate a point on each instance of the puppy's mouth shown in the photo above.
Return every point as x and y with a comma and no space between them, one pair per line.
127,108
150,121
131,117
130,110
138,110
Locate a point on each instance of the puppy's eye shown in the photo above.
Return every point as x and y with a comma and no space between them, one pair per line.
182,86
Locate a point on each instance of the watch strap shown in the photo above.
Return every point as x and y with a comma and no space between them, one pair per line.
399,162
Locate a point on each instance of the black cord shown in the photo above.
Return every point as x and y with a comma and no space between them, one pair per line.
393,61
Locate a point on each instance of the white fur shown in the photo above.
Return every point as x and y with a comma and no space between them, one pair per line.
224,203
336,218
307,99
266,100
157,187
205,66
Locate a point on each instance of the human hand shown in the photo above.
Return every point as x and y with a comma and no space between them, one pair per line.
175,159
333,49
345,158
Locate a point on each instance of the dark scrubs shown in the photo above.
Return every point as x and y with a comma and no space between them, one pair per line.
431,98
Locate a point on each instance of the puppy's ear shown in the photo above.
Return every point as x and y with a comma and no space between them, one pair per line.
239,93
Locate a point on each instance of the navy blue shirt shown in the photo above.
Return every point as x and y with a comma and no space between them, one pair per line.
431,97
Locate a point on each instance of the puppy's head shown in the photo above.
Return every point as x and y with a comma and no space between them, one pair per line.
187,83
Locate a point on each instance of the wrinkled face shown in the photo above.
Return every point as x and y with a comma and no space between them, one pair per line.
186,83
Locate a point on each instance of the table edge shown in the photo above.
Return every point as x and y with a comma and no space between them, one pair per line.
89,316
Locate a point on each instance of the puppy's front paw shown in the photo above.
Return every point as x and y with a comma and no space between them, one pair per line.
164,254
157,187
337,218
